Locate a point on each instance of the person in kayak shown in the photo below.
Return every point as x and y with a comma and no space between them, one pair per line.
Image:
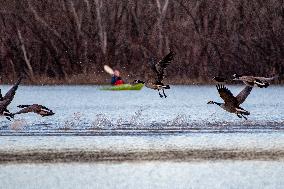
116,79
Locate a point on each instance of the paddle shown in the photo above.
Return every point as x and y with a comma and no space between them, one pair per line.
108,70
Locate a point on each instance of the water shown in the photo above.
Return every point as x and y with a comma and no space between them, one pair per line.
122,139
86,110
219,175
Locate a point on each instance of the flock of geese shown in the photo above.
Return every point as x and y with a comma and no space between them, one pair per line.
6,100
231,103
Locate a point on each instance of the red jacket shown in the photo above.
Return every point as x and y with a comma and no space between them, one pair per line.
119,82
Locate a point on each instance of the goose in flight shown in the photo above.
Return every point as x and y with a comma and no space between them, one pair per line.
231,103
159,70
254,81
7,99
35,108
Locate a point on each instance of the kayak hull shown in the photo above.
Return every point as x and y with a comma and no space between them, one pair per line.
124,87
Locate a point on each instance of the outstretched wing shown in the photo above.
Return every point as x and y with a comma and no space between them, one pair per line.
226,95
160,67
3,105
9,96
25,110
241,97
35,108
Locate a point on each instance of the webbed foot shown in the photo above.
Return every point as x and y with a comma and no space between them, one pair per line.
245,117
164,94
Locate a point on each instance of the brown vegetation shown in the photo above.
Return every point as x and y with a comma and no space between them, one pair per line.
70,40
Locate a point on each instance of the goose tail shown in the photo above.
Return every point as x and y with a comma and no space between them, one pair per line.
23,106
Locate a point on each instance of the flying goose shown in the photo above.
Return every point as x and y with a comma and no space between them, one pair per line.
232,103
159,70
35,108
7,99
254,81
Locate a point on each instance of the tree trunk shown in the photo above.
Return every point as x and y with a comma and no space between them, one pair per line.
25,54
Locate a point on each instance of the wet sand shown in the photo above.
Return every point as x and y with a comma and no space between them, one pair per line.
53,156
179,148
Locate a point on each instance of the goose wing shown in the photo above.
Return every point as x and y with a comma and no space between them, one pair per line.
160,67
9,96
226,95
241,97
25,110
35,108
3,105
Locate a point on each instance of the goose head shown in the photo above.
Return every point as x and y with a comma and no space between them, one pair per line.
236,76
138,81
211,102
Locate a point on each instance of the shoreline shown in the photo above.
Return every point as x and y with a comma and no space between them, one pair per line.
105,80
108,84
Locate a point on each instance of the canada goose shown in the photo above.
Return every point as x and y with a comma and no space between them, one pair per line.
36,108
232,104
254,81
159,70
7,99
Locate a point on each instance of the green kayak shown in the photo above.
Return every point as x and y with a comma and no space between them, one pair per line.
122,87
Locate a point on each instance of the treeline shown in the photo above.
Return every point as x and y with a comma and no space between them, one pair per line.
70,40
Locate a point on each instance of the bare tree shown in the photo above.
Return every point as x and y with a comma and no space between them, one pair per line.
162,10
67,39
102,32
25,54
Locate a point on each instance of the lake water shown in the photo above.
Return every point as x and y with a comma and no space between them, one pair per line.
178,141
140,175
80,109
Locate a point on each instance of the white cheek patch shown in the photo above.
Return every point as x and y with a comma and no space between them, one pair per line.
241,110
